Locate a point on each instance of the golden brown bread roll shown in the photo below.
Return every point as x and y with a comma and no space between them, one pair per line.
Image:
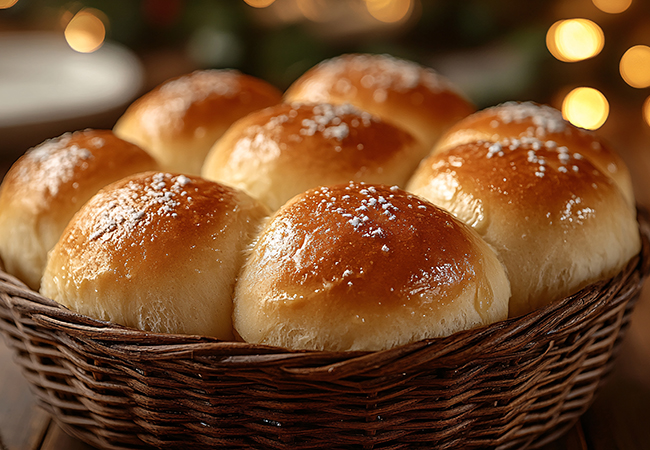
284,150
46,186
180,120
414,97
555,220
155,251
365,267
517,121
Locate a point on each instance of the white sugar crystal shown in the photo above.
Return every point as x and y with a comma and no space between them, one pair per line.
494,149
338,132
355,222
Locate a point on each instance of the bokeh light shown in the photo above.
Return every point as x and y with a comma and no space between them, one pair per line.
85,32
586,108
389,11
4,4
259,3
612,6
635,66
646,111
575,39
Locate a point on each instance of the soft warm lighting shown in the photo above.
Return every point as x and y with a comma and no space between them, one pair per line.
646,111
389,11
612,6
85,32
635,66
4,4
315,10
259,3
575,39
585,108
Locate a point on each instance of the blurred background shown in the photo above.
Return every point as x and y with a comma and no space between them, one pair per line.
67,65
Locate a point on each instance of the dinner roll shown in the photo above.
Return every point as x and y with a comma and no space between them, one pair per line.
556,221
155,251
517,121
365,267
47,185
405,93
178,121
284,150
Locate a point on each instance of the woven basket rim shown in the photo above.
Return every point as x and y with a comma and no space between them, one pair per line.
461,346
518,383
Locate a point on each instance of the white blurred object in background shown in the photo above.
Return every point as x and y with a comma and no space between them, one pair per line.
47,88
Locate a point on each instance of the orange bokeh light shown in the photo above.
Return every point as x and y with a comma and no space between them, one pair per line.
85,32
585,107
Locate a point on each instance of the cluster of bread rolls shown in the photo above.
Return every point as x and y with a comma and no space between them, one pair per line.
553,201
369,207
179,121
45,188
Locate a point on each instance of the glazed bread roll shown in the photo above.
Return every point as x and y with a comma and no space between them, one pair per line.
155,251
180,120
556,221
365,267
284,150
521,121
407,94
46,186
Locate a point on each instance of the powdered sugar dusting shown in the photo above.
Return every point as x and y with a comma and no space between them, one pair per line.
332,121
545,119
495,149
338,132
138,204
97,142
327,119
178,95
532,147
57,161
201,84
366,209
377,73
575,210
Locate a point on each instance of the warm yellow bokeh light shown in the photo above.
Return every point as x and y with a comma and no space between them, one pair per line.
586,108
646,111
612,6
574,39
5,4
389,11
259,3
635,66
85,32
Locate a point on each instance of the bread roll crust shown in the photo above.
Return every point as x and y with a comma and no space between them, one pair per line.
155,251
180,120
46,186
402,92
365,267
555,220
518,121
284,150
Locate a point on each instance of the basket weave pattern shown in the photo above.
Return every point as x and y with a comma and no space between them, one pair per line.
515,384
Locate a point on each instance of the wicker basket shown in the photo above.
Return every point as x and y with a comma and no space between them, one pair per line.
516,384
